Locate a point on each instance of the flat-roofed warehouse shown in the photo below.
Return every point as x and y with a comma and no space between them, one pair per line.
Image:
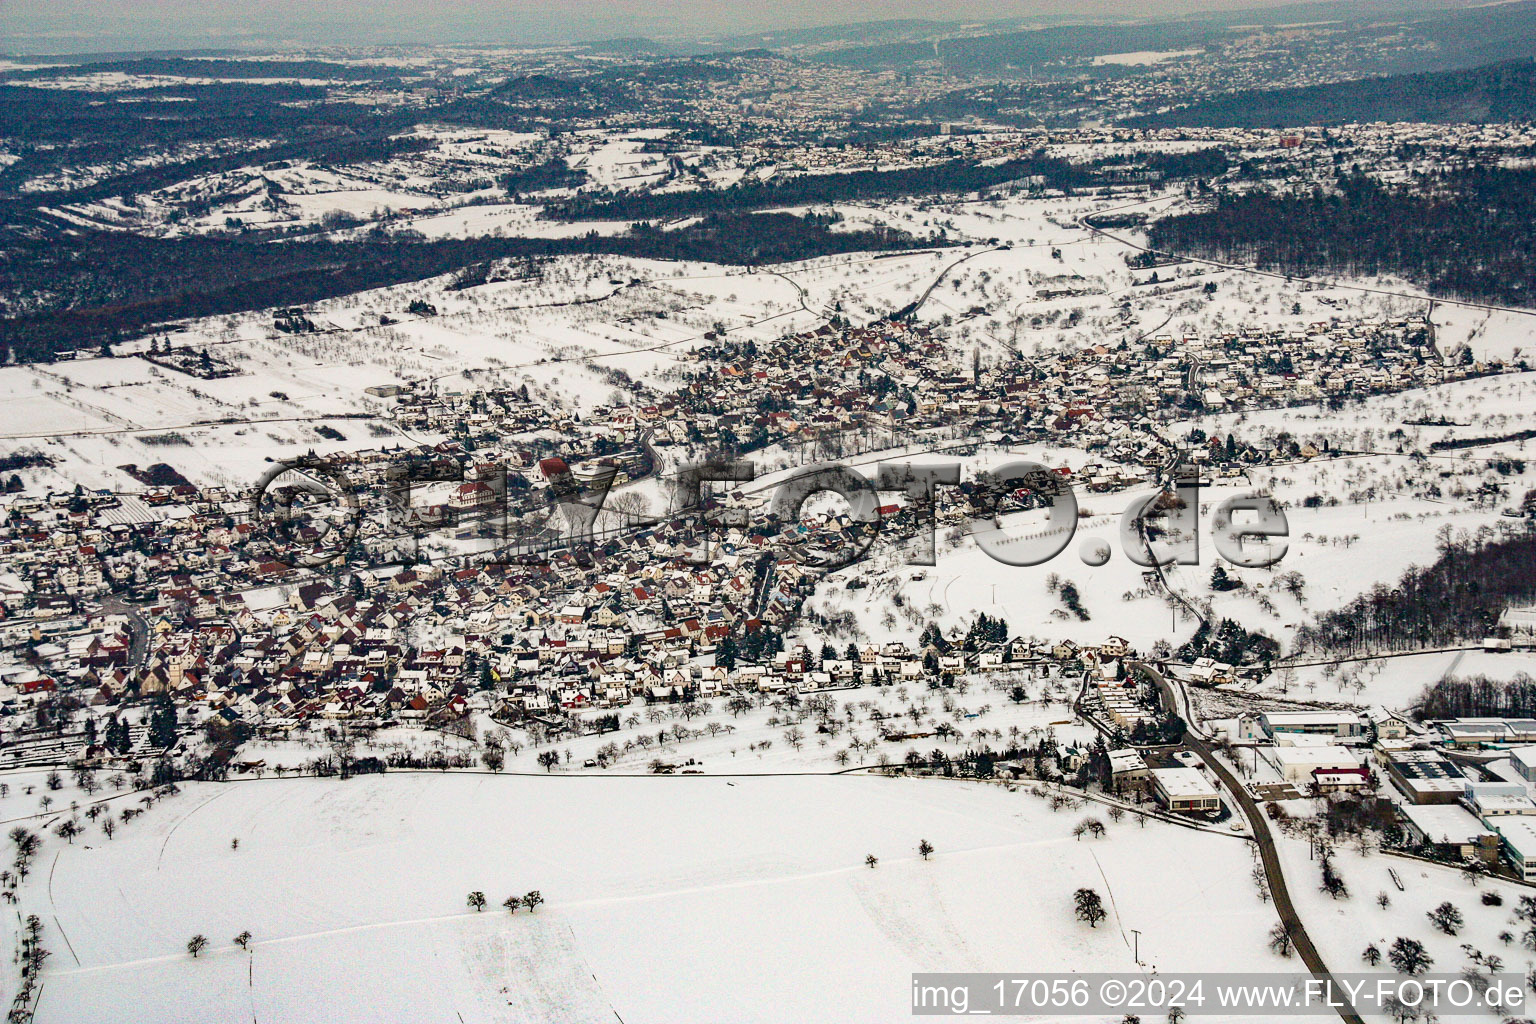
1425,776
1341,724
1517,835
1475,733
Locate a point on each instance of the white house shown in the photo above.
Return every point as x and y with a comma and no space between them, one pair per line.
1185,789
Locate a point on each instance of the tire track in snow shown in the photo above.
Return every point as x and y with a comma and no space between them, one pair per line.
182,821
70,945
1119,923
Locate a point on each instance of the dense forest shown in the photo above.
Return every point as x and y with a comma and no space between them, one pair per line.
1467,234
551,95
270,121
553,173
1497,93
104,286
953,176
1198,163
1479,697
1456,600
54,128
212,67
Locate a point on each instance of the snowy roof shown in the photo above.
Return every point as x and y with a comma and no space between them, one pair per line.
1326,775
129,511
1311,717
1324,756
1126,761
1427,771
1305,739
1519,834
1444,821
1503,803
265,599
1504,770
1183,783
1499,729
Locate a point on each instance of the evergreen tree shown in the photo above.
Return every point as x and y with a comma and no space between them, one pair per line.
162,725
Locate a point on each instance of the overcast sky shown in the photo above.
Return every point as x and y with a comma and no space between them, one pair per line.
40,26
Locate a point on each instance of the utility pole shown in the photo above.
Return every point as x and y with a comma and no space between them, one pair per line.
1136,944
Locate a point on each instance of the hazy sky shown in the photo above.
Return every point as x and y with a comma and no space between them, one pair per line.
40,26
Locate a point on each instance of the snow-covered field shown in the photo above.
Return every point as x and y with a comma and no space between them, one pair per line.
1396,683
669,899
1343,928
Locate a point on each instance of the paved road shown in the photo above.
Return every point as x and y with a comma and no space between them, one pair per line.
911,309
1258,823
138,628
1167,476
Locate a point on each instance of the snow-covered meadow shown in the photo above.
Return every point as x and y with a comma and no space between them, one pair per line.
669,899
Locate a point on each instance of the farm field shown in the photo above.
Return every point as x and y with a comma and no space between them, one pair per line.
669,899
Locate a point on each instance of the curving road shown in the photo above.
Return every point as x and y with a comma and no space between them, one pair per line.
1258,823
911,309
138,628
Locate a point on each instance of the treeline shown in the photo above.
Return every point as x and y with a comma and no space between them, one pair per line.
755,238
687,71
952,176
1478,697
1496,93
34,114
1468,234
213,67
529,88
1478,442
1199,163
1229,642
105,286
23,460
554,173
1456,600
55,128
